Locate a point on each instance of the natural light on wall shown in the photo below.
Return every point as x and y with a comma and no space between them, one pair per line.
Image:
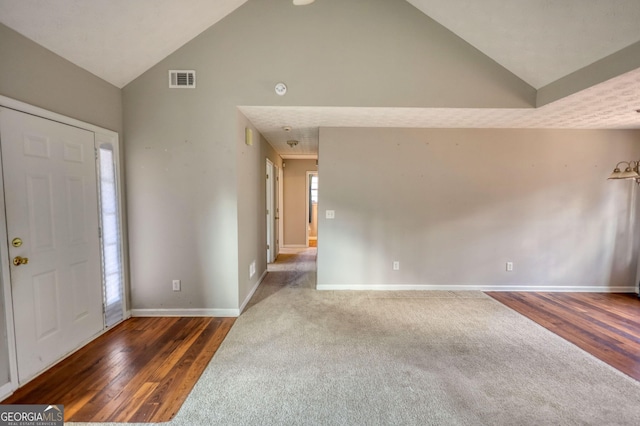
110,237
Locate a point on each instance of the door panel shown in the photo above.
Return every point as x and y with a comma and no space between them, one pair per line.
46,300
51,204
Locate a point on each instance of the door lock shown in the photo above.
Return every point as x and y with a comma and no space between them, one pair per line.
16,242
20,260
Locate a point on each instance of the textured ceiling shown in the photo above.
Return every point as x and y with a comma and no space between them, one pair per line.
540,41
609,105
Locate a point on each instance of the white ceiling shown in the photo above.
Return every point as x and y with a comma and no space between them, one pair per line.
131,37
538,40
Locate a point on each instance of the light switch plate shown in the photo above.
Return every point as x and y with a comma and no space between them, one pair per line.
330,214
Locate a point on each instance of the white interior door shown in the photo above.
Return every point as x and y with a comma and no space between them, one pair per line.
276,217
52,207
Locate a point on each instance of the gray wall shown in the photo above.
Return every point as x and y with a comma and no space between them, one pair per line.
252,204
295,200
453,206
183,166
32,74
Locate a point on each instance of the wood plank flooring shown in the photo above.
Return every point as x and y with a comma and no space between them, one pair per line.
141,371
144,369
606,325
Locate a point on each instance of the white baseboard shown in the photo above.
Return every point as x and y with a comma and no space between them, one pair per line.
405,287
224,313
228,313
5,391
295,246
253,290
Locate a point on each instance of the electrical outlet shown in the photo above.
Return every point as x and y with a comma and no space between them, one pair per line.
252,269
509,266
330,214
176,285
396,265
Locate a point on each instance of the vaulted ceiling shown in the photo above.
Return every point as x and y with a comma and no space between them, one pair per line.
540,41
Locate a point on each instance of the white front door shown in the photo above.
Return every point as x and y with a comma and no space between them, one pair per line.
52,208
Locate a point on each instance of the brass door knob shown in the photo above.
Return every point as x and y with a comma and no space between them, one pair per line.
20,260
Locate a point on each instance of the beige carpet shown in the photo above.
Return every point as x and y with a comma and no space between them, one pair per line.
298,356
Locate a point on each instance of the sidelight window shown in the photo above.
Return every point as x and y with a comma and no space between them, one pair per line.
111,236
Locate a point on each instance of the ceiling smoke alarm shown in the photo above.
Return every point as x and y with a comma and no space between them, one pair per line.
281,89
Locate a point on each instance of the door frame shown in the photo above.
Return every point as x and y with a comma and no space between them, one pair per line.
271,212
5,276
277,224
308,200
280,207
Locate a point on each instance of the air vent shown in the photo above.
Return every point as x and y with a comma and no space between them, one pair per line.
182,79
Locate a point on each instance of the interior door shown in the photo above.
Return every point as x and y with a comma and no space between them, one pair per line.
52,226
276,206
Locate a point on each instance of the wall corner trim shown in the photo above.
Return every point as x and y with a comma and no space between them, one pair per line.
253,290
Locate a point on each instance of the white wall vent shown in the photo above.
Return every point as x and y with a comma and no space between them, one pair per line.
182,79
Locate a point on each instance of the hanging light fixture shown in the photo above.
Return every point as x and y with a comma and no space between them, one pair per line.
630,172
302,2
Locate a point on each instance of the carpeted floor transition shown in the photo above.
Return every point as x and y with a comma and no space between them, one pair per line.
298,356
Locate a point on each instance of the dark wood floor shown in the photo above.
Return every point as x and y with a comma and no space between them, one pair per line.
141,371
605,325
144,369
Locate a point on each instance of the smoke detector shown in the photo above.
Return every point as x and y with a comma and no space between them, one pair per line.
281,89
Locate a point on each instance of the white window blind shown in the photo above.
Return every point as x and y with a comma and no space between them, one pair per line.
111,244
